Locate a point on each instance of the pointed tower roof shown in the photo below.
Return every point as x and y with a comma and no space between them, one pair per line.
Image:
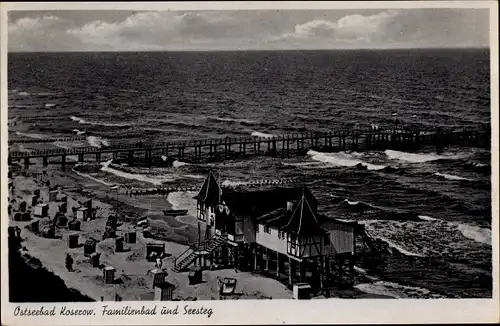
210,191
303,220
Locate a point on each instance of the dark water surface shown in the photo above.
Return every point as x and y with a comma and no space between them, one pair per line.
432,210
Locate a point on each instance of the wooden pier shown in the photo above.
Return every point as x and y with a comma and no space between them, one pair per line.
277,146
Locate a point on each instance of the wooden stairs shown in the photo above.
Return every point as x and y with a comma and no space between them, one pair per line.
183,261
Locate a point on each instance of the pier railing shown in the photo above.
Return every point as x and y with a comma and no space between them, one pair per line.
284,145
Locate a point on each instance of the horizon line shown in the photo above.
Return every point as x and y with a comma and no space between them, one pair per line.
264,50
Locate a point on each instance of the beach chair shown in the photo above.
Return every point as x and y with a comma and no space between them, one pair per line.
195,276
226,286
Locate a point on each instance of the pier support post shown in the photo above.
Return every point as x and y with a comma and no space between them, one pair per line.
266,266
291,271
80,158
63,162
302,271
148,157
327,268
130,157
255,260
115,155
26,162
98,157
45,161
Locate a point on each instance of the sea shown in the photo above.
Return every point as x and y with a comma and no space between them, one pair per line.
432,210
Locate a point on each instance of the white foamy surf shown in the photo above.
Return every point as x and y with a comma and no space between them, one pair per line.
475,233
184,200
247,121
396,290
88,176
156,180
399,248
177,164
418,158
95,123
230,183
262,135
341,159
78,132
97,141
35,136
451,177
426,218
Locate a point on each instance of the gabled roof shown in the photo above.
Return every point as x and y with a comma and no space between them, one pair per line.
303,220
210,191
256,202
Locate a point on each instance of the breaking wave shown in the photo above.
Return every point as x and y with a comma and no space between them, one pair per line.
396,290
418,158
451,176
430,237
242,121
475,233
35,136
184,200
157,180
427,218
342,159
88,176
230,183
94,123
177,164
261,134
78,132
97,141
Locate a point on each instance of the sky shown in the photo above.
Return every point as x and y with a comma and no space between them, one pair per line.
119,30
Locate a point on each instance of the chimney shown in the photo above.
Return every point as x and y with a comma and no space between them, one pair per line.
289,205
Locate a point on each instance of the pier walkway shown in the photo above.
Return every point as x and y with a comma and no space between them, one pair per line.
283,145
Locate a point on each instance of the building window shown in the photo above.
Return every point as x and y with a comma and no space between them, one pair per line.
281,234
326,240
267,229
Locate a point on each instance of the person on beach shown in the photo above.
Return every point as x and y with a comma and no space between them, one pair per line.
69,263
159,263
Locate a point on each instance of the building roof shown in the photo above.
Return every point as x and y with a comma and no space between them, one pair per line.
304,220
210,191
257,202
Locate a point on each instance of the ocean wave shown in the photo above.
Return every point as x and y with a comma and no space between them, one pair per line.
243,121
78,132
261,134
400,249
475,233
427,218
302,164
156,180
396,290
35,136
23,94
231,183
97,141
418,157
430,237
177,164
95,123
356,206
342,159
50,105
184,200
88,176
451,176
